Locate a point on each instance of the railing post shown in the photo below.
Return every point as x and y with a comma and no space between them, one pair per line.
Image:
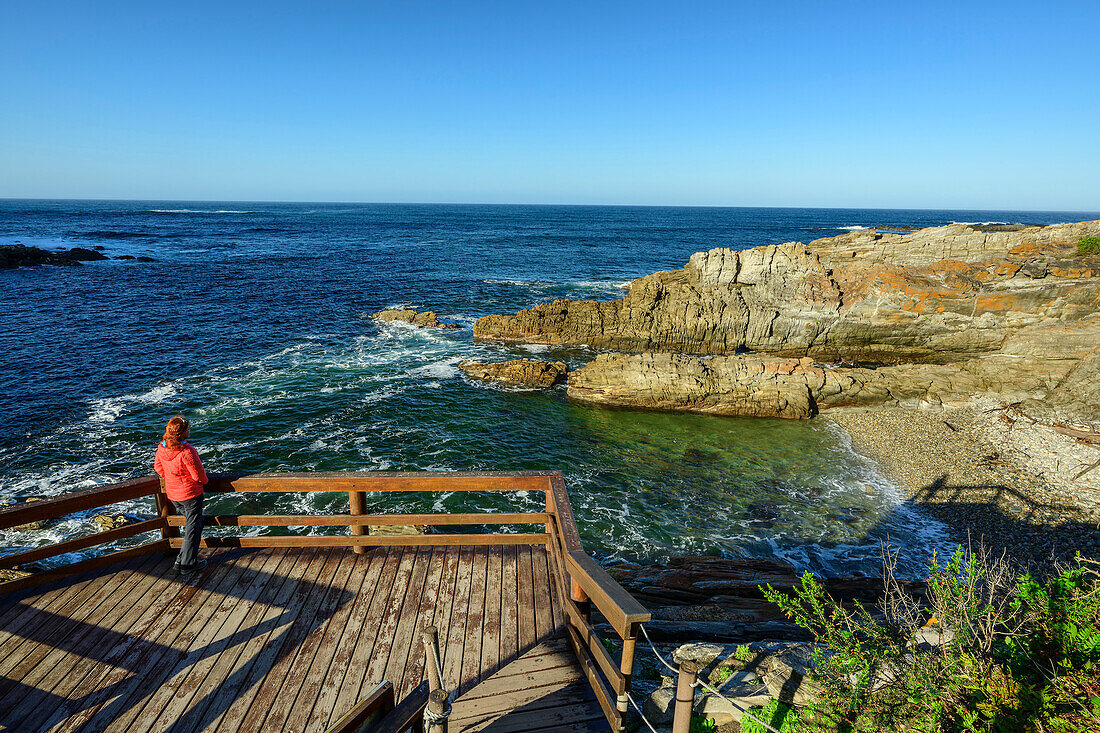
579,597
165,510
685,697
626,668
358,505
430,637
437,712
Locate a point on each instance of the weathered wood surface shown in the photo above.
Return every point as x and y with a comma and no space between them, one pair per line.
290,639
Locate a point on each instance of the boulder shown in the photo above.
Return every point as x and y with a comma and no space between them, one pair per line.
392,530
82,254
111,521
701,655
7,574
660,705
518,372
787,679
427,319
732,704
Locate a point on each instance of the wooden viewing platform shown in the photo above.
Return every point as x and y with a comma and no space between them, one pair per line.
293,633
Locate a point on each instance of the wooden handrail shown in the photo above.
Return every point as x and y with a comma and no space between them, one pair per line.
579,579
377,703
407,713
589,583
78,501
80,543
345,520
384,481
405,540
620,608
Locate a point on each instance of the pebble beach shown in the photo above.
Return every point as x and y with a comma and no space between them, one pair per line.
989,478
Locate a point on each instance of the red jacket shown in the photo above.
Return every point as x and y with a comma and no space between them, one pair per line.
181,470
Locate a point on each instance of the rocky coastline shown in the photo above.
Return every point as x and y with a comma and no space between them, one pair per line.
963,359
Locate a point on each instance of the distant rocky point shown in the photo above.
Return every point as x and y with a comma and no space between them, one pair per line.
427,319
20,255
518,372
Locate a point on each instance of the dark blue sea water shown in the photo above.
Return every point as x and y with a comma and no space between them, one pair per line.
253,322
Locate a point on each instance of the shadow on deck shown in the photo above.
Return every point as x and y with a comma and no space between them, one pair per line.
289,639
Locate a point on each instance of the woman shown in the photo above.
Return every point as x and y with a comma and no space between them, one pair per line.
178,463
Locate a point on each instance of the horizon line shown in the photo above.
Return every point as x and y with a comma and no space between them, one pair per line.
538,204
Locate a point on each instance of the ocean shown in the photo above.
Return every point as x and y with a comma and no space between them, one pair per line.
254,322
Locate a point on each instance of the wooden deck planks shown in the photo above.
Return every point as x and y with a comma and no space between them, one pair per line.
471,650
289,639
337,632
86,658
173,699
354,687
277,708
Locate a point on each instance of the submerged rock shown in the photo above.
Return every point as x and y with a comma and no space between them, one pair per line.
81,254
112,521
519,372
427,319
39,524
18,255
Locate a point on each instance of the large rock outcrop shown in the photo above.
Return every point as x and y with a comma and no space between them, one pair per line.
754,385
937,295
946,314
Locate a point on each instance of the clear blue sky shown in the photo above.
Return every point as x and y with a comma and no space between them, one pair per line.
865,104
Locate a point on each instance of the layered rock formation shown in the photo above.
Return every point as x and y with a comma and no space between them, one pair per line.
428,319
768,386
719,598
956,311
939,294
518,372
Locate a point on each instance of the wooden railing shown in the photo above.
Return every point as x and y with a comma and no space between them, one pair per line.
582,584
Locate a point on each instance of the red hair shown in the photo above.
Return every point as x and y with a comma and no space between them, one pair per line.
177,431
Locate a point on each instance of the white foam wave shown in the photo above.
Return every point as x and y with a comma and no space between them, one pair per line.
854,227
109,409
982,223
199,211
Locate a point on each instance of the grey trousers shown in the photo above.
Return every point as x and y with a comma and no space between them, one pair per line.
191,509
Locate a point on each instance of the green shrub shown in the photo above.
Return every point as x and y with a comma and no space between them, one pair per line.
700,724
1089,246
723,673
1025,654
742,653
779,715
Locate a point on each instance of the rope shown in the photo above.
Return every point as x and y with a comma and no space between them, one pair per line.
431,718
640,713
699,683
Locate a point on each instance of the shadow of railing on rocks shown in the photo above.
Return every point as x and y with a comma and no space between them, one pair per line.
1034,533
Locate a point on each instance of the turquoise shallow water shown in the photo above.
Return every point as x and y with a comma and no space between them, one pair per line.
253,322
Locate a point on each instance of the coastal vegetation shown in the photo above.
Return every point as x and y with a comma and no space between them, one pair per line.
1089,246
983,649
